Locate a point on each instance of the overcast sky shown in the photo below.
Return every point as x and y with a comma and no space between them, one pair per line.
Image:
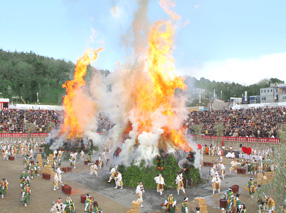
224,40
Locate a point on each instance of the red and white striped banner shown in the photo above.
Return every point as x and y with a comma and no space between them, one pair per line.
239,139
200,137
23,135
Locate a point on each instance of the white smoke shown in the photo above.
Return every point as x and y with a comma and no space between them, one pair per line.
115,97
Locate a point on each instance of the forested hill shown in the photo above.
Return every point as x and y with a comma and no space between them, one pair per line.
26,74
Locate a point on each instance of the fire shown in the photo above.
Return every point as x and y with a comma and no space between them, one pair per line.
156,95
71,124
165,5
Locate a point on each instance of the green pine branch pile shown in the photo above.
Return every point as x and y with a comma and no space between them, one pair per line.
133,174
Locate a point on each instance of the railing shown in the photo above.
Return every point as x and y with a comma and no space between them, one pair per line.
199,137
238,139
23,135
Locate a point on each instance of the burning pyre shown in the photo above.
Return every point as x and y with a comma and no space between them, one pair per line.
142,103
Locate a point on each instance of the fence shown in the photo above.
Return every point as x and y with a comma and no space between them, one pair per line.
23,135
199,137
238,139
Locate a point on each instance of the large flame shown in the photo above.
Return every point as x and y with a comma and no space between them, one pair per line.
71,123
157,95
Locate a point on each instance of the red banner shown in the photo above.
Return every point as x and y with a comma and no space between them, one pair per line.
23,135
200,137
239,139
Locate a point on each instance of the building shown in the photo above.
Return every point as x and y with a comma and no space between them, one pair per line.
281,92
254,99
4,103
235,100
273,94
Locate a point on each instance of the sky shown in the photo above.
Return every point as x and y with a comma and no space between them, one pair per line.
238,41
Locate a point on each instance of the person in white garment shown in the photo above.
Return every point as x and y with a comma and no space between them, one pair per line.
82,155
59,172
180,184
118,180
216,184
233,166
222,169
139,192
93,169
112,173
160,183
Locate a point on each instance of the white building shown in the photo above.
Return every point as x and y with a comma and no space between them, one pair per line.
4,103
273,94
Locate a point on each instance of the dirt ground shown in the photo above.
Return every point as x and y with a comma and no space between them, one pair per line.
111,200
42,193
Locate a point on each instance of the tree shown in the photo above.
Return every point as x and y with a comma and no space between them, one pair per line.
31,128
275,81
198,130
219,130
277,187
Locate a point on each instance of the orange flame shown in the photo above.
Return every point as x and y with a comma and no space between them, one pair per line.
159,94
165,5
71,123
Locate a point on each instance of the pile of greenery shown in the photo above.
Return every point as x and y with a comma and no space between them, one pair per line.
133,174
47,149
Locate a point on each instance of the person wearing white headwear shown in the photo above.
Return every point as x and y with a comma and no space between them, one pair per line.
72,160
180,184
88,207
55,153
223,210
185,206
103,154
212,173
160,183
100,162
139,192
118,180
5,155
56,181
216,183
233,166
59,172
222,169
171,204
112,173
60,154
93,169
82,155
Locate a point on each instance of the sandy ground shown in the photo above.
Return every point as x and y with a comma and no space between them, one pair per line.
42,193
110,199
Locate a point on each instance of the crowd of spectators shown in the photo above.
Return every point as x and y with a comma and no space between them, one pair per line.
25,121
260,122
40,121
104,124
